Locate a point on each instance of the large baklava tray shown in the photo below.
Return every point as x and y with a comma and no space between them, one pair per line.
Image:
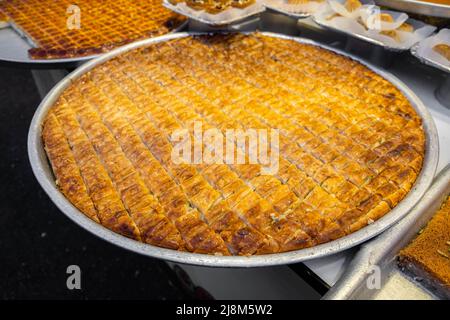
351,145
67,29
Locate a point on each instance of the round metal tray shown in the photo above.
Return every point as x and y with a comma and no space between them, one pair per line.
417,6
44,175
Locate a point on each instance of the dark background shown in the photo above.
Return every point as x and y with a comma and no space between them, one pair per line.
38,243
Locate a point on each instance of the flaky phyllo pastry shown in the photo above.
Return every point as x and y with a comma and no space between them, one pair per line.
350,144
68,29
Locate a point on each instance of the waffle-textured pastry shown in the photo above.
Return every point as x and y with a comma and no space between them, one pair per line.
58,29
428,255
350,144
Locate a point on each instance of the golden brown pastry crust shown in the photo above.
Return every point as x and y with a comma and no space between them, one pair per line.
104,25
351,145
429,252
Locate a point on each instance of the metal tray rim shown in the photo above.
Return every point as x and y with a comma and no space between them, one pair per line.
41,170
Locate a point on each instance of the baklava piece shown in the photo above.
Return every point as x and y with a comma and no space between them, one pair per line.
427,257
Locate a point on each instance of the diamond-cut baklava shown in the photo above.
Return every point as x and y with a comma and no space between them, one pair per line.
65,29
350,144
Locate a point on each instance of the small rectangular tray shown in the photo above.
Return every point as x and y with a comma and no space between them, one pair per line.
378,258
220,22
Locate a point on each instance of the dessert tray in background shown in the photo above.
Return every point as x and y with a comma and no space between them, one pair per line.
58,31
435,50
394,31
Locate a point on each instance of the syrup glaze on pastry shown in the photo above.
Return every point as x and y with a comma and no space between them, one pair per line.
351,145
102,25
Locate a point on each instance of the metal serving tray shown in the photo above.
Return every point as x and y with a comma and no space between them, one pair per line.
443,90
15,43
428,61
45,177
363,37
218,23
420,7
382,252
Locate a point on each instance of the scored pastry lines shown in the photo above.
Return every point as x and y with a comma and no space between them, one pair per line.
141,103
362,199
184,181
401,121
238,195
117,124
349,110
249,233
257,124
110,209
140,82
194,116
144,210
45,22
212,68
302,62
63,162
